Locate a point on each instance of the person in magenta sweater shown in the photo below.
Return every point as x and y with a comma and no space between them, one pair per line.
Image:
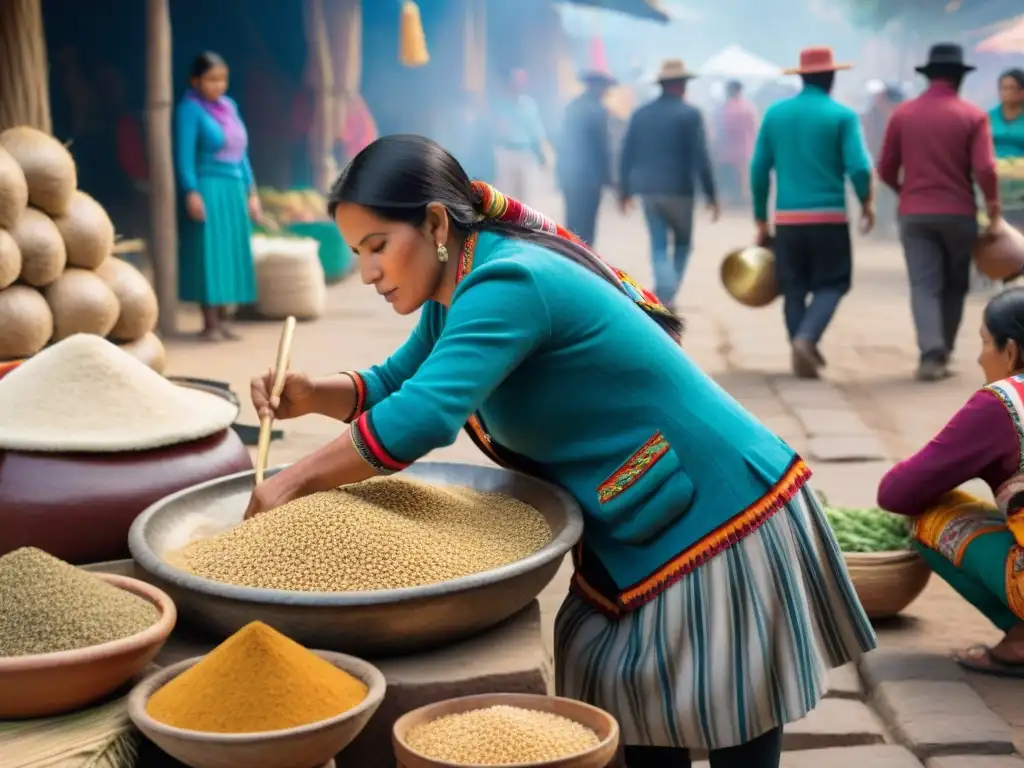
943,146
977,547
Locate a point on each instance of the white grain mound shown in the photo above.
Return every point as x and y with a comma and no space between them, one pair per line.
85,394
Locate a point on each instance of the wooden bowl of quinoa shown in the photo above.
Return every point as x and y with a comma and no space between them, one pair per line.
440,727
44,684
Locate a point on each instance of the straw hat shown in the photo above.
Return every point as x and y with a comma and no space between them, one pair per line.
817,60
84,394
674,69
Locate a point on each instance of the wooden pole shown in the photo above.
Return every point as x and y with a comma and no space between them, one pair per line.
325,110
163,236
24,76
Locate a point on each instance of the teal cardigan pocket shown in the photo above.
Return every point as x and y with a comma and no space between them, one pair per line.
646,495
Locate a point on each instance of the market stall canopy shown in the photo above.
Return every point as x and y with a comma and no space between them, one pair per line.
734,61
1009,40
644,9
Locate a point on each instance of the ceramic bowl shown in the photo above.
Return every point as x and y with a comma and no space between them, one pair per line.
51,683
304,747
599,721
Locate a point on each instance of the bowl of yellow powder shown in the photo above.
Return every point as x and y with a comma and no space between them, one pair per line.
506,729
68,637
258,699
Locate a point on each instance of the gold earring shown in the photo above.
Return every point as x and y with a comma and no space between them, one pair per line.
442,253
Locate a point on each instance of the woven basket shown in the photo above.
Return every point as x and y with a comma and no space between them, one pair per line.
289,278
887,582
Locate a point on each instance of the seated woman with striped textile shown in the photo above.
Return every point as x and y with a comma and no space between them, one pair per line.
977,547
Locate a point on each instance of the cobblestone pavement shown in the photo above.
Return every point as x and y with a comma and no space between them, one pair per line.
850,427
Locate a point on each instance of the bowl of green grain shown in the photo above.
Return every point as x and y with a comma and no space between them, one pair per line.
68,638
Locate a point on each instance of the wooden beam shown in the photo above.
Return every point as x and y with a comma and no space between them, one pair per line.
325,111
163,238
24,75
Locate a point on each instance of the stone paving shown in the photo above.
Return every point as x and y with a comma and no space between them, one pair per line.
908,704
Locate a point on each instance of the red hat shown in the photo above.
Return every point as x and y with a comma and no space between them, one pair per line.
816,60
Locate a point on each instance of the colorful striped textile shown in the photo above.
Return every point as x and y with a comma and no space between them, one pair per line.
737,647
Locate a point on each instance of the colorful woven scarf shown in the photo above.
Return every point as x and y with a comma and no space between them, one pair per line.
492,205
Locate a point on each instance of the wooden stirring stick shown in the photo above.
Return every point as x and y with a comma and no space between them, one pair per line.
284,359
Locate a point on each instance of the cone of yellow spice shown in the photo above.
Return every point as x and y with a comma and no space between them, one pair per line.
257,680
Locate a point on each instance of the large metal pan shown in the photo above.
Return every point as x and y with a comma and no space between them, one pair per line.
382,622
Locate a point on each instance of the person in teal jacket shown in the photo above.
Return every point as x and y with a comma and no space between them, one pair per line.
813,144
219,196
1007,120
709,598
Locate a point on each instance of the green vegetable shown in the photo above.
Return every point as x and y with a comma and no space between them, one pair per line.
868,530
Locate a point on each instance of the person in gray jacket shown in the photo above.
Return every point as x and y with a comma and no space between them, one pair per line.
664,157
584,156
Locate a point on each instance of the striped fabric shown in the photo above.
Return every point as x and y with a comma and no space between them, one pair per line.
737,647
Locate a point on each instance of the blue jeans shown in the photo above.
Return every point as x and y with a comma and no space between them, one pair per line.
667,216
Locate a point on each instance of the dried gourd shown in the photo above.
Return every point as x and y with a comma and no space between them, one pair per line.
26,322
148,350
81,303
43,256
87,230
48,166
13,190
10,259
134,295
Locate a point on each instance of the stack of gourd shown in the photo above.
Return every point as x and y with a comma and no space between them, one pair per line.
57,274
289,277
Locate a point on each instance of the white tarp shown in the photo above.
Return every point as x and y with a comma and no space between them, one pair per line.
734,61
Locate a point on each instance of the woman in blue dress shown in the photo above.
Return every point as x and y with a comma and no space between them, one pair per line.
709,598
219,198
1008,138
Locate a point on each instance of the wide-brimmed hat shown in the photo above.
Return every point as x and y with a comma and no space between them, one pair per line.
674,69
598,76
945,56
817,60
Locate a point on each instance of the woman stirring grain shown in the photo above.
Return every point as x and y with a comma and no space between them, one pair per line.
706,560
219,198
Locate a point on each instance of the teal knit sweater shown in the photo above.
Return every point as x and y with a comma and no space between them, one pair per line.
566,370
813,144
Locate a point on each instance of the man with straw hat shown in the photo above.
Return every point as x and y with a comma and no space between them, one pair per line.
584,157
799,139
943,146
664,156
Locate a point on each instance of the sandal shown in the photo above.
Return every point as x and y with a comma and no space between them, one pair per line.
981,659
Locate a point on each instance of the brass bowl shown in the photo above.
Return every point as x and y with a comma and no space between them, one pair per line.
748,275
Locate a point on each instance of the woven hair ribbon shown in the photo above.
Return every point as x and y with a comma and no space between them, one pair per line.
494,206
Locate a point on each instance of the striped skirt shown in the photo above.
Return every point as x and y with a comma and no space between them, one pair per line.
736,648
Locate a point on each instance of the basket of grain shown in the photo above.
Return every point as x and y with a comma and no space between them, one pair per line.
43,254
81,303
887,575
13,190
524,730
49,169
259,699
135,298
26,322
10,259
289,278
67,637
87,230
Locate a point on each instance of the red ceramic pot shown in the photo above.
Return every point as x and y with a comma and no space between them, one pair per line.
999,255
79,506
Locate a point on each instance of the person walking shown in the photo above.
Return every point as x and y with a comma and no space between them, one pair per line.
584,156
664,156
936,148
220,198
1007,120
734,143
519,150
813,144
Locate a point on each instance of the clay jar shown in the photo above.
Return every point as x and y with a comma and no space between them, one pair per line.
79,506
